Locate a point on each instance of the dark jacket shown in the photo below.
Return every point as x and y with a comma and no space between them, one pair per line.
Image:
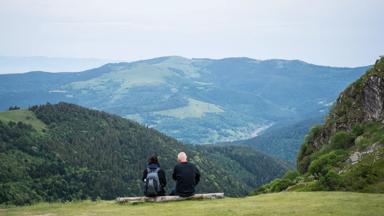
161,174
187,176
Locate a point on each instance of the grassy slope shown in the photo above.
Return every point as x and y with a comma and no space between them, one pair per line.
287,203
26,116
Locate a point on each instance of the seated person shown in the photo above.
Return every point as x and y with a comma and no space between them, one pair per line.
154,178
186,175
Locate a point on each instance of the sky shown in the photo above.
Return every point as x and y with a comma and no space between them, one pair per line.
326,32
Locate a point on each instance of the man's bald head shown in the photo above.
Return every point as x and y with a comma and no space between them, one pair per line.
182,157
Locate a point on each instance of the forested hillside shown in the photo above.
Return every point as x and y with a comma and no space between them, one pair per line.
282,141
347,151
66,152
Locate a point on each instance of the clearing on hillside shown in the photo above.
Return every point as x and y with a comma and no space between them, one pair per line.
25,116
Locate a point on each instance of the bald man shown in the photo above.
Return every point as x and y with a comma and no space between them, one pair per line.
186,175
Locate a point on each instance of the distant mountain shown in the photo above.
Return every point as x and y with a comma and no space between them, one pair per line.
347,151
66,152
193,100
11,64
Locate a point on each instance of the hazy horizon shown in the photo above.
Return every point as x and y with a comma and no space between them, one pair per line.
342,33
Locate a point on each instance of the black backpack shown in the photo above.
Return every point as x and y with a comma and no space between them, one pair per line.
152,184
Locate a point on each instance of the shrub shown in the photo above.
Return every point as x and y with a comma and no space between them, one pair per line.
342,140
324,163
291,175
280,185
357,130
312,186
331,181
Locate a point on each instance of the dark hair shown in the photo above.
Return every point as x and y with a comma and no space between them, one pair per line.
153,159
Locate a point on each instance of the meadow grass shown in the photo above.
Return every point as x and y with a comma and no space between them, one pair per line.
25,116
285,203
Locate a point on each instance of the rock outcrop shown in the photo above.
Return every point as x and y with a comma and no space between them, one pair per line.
373,94
362,101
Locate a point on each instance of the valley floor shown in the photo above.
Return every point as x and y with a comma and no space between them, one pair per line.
286,203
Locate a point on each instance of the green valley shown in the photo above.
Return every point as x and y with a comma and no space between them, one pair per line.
196,101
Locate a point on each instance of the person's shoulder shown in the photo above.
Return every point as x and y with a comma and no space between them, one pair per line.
181,165
178,165
188,164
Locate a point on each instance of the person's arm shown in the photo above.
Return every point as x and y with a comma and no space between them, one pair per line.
197,176
174,173
145,172
162,178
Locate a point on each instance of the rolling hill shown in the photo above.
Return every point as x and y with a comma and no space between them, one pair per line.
65,152
13,64
194,100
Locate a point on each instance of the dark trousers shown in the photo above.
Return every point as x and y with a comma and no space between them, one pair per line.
173,193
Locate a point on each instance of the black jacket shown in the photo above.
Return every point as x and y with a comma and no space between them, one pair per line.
161,174
187,176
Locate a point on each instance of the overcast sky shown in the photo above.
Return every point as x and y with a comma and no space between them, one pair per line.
326,32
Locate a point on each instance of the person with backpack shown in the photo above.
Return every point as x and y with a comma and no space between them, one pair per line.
186,175
154,178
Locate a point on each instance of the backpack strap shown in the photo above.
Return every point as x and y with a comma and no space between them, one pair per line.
150,170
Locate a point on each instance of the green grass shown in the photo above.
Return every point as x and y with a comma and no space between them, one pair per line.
287,203
25,116
194,109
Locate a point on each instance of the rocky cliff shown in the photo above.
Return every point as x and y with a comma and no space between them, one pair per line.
361,102
346,153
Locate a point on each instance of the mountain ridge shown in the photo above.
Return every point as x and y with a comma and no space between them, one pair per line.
160,58
158,92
